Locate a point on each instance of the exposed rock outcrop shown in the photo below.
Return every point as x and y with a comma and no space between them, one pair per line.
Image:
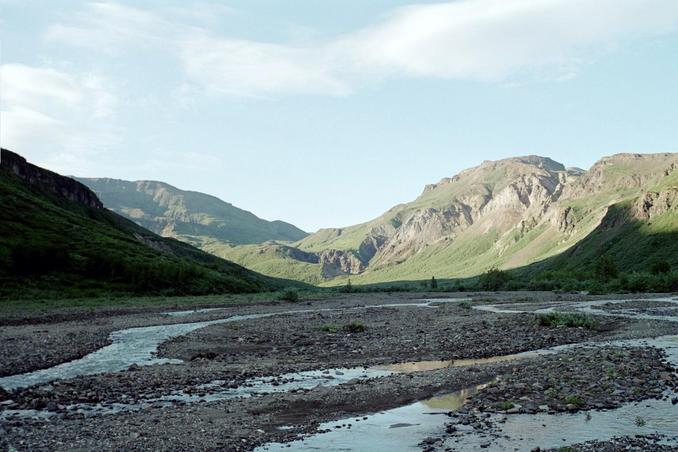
652,204
335,263
47,180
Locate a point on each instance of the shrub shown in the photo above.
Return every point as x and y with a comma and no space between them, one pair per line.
493,279
355,327
574,400
567,319
289,295
506,405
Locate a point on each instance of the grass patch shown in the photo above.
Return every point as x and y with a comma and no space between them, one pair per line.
329,328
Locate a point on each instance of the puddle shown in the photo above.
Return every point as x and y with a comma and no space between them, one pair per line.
526,432
424,366
393,430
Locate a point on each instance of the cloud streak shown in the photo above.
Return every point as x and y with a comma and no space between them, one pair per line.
52,112
485,40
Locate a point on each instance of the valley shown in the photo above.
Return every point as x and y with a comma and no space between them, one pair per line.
416,371
529,215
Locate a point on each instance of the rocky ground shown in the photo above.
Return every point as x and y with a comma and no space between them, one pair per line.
356,331
580,379
639,305
589,378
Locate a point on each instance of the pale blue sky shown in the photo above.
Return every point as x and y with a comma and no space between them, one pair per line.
327,113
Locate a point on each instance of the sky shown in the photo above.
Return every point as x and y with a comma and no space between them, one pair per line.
327,113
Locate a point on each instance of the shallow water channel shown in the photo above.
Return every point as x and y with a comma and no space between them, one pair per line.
397,429
139,345
405,427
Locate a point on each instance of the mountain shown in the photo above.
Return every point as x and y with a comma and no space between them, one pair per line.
57,238
528,212
192,217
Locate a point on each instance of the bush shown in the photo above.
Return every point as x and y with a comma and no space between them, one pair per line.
355,327
289,295
493,280
566,319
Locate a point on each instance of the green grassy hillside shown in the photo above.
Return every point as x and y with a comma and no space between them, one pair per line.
50,244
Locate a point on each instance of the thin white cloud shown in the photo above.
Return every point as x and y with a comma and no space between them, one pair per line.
110,27
240,67
51,112
495,39
487,40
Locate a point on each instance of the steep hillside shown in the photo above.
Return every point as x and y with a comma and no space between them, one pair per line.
56,237
186,215
509,214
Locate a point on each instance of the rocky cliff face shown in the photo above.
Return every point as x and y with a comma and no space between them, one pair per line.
653,204
47,180
496,195
335,263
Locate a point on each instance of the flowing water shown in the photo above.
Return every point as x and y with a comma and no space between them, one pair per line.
139,345
131,346
398,429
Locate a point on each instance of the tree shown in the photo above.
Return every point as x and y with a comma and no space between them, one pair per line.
606,269
434,283
493,279
348,288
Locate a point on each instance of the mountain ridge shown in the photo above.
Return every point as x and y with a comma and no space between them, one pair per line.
186,214
508,213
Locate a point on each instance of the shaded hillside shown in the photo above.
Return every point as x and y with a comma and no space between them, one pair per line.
55,237
186,215
507,214
635,234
